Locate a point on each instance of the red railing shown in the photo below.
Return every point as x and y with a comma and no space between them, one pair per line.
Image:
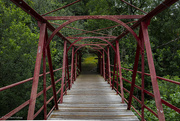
145,91
20,107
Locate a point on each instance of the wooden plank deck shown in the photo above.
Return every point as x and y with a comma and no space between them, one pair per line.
91,98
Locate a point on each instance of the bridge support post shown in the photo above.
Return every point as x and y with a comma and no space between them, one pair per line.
52,77
114,69
41,48
80,62
63,71
72,67
142,74
44,77
119,68
67,66
109,65
103,59
157,96
75,68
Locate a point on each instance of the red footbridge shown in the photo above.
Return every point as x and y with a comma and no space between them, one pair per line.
97,96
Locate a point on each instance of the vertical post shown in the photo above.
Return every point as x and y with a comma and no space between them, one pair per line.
79,62
65,80
67,66
52,77
152,72
103,66
100,64
72,66
117,80
44,77
109,65
76,66
114,71
32,100
63,71
142,77
119,68
107,73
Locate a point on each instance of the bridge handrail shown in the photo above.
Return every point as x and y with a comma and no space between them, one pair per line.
158,77
147,92
20,107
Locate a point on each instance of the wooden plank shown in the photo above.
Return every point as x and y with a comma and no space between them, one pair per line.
91,98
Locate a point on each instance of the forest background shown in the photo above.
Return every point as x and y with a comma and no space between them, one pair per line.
19,34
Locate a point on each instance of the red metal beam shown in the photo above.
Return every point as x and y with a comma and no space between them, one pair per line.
63,71
142,74
91,44
103,64
32,100
52,77
157,95
72,66
61,7
79,39
119,69
114,70
76,65
108,18
44,78
97,37
109,67
93,17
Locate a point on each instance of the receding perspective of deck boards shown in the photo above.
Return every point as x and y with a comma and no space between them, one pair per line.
91,98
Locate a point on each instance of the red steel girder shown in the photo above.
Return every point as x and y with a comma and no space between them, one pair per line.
157,96
32,100
91,37
108,18
91,44
93,17
63,71
111,37
23,5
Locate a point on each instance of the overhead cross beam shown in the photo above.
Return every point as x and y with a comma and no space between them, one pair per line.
93,17
111,37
